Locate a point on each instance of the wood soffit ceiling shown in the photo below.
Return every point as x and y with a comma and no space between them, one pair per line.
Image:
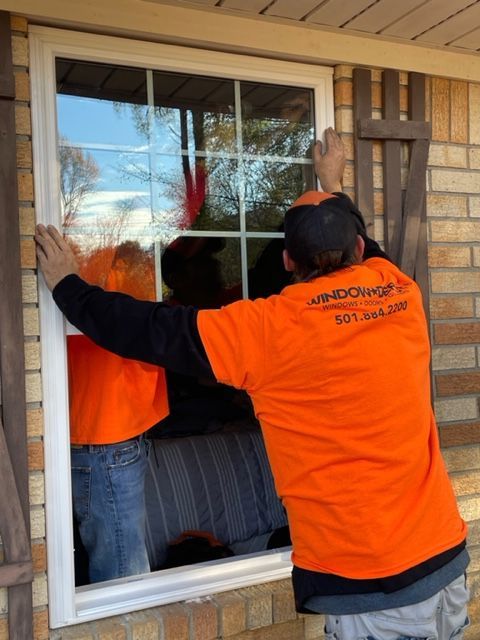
454,24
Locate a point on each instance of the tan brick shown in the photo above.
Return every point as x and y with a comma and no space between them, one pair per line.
440,109
447,155
22,86
37,522
18,23
466,484
462,458
28,257
79,632
24,154
34,423
447,206
474,113
378,204
377,151
283,606
472,632
31,325
455,181
452,256
145,628
292,630
376,95
314,626
454,230
39,590
232,617
36,487
474,532
29,289
474,206
203,615
455,435
453,358
27,221
343,93
455,281
377,177
457,333
35,456
39,557
451,307
40,625
458,111
403,98
457,384
175,622
3,629
344,120
25,186
33,387
22,120
111,630
343,71
20,51
32,355
469,509
455,409
476,257
259,606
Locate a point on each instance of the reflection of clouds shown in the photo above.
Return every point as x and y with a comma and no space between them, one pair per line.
126,214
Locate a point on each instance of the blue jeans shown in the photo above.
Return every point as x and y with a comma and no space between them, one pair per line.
108,487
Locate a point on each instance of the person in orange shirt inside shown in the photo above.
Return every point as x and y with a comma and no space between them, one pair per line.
113,401
337,367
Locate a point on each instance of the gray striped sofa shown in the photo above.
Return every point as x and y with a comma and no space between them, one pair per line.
218,482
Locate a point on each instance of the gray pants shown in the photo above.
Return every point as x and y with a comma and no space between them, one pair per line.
441,617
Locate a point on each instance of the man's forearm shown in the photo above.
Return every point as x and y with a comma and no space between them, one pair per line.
147,331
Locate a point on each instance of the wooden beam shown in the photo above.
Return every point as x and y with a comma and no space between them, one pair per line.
363,150
12,366
15,573
392,180
394,129
414,202
416,111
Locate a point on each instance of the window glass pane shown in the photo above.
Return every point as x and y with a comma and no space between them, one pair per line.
202,271
270,187
197,194
91,104
194,113
266,273
276,121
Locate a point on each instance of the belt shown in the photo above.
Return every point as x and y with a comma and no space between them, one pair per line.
138,438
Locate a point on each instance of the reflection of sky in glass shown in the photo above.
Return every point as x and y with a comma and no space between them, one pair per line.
91,121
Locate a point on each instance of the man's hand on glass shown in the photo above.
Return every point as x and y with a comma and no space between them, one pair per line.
55,257
330,165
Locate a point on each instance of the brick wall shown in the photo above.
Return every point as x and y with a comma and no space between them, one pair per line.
453,210
453,203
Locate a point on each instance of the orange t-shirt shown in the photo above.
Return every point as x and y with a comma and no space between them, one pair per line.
113,398
338,371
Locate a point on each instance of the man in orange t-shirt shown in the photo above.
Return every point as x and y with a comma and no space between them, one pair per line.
337,367
113,401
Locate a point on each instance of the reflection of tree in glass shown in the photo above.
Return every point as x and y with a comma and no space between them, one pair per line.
207,195
79,174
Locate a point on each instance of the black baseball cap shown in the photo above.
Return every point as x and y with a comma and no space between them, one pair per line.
318,221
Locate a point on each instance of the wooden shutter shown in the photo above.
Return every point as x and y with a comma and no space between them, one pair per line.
404,213
16,572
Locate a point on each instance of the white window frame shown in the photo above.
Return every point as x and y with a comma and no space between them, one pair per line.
68,605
